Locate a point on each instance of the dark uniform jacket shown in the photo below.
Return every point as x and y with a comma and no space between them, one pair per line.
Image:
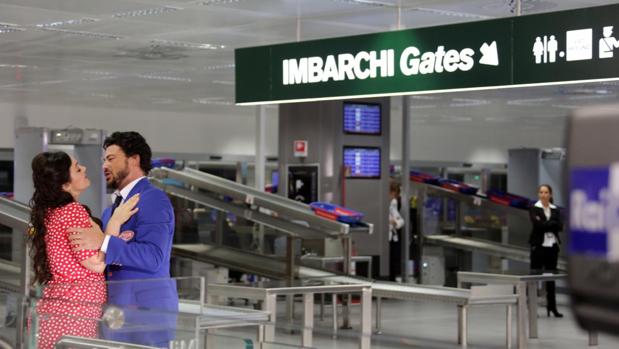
541,225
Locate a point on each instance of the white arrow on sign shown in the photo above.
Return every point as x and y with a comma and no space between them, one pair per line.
489,54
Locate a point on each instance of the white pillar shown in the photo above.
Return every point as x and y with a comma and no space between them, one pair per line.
260,147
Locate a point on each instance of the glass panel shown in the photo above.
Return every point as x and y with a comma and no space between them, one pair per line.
6,242
141,312
10,303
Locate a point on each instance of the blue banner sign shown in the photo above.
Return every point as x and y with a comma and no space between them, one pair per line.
594,212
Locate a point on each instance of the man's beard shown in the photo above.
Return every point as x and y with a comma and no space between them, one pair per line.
115,183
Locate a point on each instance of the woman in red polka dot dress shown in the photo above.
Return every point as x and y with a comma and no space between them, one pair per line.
73,282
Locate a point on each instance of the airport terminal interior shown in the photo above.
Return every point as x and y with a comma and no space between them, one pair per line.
342,173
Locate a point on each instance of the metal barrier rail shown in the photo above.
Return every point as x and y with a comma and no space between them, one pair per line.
91,343
497,249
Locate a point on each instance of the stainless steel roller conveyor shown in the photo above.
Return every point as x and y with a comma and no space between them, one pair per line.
473,200
270,267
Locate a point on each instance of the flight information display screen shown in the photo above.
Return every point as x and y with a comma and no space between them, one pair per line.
362,162
362,118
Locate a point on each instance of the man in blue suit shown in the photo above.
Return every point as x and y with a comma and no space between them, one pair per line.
141,251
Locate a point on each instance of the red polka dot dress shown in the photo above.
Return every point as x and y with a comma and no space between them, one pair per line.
72,300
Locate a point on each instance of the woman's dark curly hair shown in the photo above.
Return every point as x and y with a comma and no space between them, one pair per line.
50,170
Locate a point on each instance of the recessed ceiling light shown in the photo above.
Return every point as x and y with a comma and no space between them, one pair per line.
10,28
222,82
449,13
586,97
83,33
218,2
426,106
147,12
565,106
368,3
211,101
220,66
529,102
456,118
20,66
468,102
423,97
67,22
162,77
185,44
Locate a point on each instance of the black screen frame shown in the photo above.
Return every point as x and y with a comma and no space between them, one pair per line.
380,160
380,111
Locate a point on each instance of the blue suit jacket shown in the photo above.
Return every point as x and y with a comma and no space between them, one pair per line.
149,306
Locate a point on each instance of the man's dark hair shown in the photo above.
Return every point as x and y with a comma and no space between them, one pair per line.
132,143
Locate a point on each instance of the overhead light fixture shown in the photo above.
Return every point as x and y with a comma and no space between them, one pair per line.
222,82
422,106
102,95
220,66
185,44
468,102
83,33
586,97
424,97
566,106
454,118
368,3
162,100
10,28
20,66
496,119
161,77
450,13
529,102
217,2
211,101
67,22
147,12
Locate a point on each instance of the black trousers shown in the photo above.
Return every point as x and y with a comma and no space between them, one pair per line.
545,259
395,259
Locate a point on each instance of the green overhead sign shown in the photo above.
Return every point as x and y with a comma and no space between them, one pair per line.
560,47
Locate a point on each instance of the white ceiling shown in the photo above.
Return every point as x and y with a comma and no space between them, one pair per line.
177,55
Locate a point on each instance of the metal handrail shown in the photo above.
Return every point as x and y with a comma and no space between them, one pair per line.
284,207
497,249
291,228
14,214
92,343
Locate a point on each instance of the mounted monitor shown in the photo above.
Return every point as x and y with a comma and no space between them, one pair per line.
362,162
362,118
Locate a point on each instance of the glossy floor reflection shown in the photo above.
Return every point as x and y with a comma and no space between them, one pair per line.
433,325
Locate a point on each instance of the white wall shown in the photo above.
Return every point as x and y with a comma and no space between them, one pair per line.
232,132
469,143
227,133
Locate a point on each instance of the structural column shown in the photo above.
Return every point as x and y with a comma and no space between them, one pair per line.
406,185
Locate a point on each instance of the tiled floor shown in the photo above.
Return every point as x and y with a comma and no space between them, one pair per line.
433,325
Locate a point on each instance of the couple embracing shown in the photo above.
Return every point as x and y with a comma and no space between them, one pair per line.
74,253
